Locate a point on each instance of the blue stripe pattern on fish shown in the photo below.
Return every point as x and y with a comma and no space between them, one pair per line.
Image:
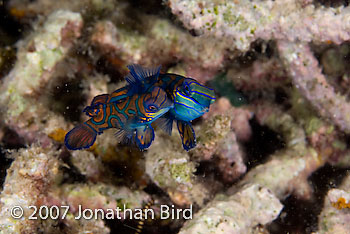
191,99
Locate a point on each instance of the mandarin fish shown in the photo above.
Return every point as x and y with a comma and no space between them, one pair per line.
191,99
132,116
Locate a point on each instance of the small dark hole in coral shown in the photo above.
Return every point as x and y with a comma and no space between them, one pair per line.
263,142
153,189
263,48
195,32
206,168
110,66
70,174
333,3
295,217
12,140
281,97
152,7
4,165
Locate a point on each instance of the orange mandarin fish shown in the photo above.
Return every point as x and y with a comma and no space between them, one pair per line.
132,116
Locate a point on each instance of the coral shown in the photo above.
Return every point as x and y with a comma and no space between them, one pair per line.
279,71
321,134
241,212
161,44
171,169
97,196
89,165
217,142
310,81
276,119
240,117
27,183
240,22
263,75
38,170
243,22
287,170
37,59
335,215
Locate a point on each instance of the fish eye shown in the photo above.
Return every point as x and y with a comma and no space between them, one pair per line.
187,89
152,108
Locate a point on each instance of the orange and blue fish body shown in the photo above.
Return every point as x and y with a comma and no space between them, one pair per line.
191,99
132,114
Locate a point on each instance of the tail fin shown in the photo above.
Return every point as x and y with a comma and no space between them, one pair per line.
80,137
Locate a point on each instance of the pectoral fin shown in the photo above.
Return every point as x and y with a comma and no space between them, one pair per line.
164,123
144,137
187,135
123,136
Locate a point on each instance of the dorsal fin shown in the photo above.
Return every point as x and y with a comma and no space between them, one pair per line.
138,73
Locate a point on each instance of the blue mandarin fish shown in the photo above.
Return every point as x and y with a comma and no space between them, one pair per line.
191,99
132,116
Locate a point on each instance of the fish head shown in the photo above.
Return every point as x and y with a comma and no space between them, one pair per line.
204,95
192,99
156,103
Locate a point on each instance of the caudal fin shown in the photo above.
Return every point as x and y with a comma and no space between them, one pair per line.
80,137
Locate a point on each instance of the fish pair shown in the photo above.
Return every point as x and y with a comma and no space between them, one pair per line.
149,97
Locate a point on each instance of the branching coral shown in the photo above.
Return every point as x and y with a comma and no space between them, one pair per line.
162,44
263,75
242,22
217,142
171,169
287,170
61,50
308,78
239,213
240,117
292,26
36,170
37,61
335,215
